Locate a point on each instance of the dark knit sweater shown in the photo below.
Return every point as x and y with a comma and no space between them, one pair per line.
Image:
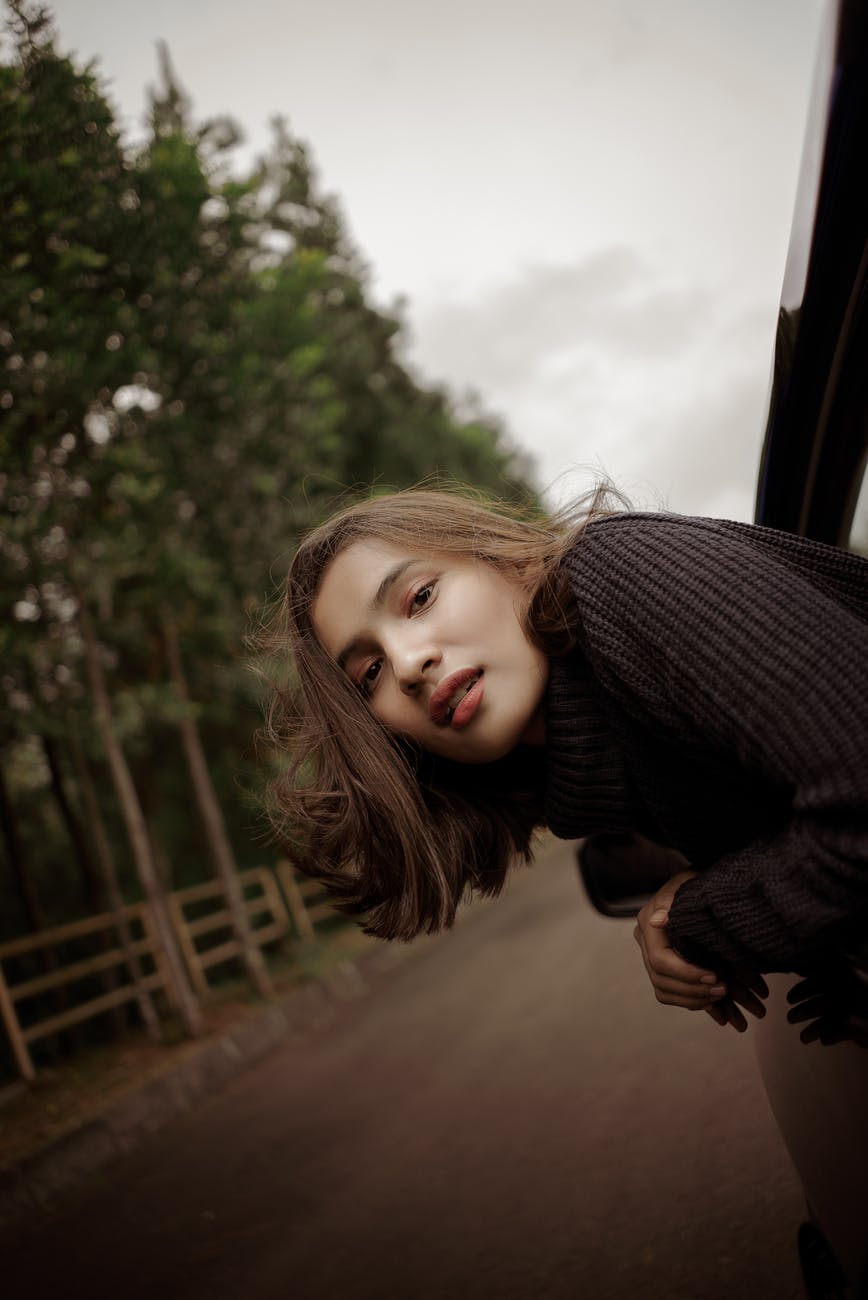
717,701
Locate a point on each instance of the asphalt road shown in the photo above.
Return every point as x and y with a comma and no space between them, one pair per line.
509,1116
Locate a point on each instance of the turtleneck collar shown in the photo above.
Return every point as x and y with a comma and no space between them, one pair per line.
587,788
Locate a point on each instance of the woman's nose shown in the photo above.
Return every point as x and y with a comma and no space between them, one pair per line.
412,661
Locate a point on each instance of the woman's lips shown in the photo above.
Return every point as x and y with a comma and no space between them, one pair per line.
440,707
465,710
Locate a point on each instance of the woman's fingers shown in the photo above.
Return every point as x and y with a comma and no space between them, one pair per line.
727,1013
676,982
661,958
805,989
741,992
754,981
810,1009
734,1017
676,993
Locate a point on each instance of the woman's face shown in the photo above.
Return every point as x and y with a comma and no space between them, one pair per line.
435,644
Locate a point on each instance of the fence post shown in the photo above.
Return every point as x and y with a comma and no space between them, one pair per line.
273,896
13,1029
158,953
187,946
292,893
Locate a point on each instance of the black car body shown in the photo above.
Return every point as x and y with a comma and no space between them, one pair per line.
811,482
813,459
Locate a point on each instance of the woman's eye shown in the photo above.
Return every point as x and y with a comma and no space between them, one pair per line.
369,676
422,597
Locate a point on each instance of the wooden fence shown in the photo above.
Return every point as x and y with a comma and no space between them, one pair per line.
308,901
129,944
45,945
267,900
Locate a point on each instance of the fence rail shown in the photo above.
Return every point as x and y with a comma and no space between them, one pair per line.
308,901
46,943
267,902
303,909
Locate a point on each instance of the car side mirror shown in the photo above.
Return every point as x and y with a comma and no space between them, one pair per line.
621,872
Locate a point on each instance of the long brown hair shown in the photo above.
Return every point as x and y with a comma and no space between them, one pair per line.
397,835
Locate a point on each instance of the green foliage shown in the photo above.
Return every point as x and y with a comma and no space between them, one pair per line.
190,371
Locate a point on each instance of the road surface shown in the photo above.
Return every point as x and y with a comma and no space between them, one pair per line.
509,1116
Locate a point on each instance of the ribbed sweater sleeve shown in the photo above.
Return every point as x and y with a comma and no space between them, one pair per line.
723,643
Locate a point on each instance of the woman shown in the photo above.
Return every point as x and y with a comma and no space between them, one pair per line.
466,673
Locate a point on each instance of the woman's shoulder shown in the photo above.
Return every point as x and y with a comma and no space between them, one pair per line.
635,527
663,523
660,543
625,524
650,532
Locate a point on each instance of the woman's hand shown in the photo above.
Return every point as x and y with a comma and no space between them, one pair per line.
833,1002
677,982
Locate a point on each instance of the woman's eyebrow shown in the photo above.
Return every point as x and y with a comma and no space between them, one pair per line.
391,576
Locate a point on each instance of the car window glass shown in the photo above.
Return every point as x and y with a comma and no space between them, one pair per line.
858,540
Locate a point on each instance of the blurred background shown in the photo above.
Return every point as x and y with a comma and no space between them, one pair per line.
256,259
582,209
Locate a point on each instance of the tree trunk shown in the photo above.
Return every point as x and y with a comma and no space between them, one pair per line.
212,817
161,858
106,861
93,895
184,998
142,772
31,906
45,958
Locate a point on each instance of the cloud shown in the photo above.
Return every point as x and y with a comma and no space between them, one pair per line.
607,363
609,301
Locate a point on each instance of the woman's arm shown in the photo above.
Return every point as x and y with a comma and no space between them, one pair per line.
677,983
721,643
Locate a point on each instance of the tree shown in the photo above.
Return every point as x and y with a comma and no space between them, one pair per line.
191,370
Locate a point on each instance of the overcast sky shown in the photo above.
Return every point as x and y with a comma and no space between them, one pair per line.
586,205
